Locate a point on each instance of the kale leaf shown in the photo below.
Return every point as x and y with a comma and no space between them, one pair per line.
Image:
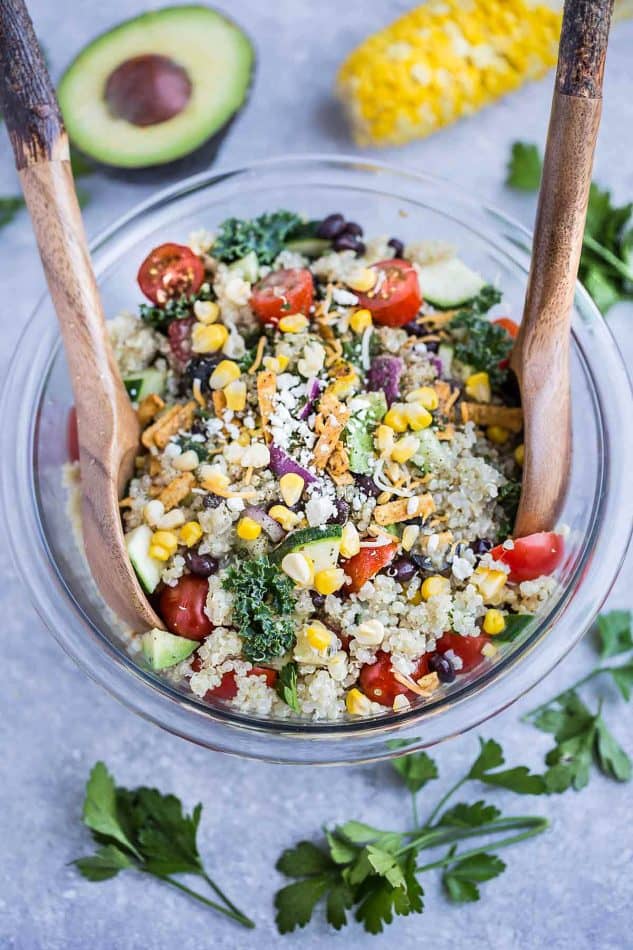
480,343
176,308
508,501
265,235
263,604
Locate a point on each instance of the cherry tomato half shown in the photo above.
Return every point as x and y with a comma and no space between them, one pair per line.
468,649
281,293
362,566
397,297
179,336
508,325
182,607
227,687
532,556
169,271
72,435
379,684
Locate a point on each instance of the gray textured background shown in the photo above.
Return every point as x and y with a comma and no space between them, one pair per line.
572,888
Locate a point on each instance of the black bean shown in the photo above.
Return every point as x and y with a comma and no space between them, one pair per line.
331,226
368,485
201,564
352,228
397,245
423,563
347,242
342,512
199,428
402,568
317,599
211,500
200,368
440,664
432,346
481,545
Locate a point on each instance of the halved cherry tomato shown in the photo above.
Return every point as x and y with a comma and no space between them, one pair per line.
281,293
362,566
397,298
72,435
227,687
508,325
169,271
468,649
179,335
379,684
182,607
532,556
271,675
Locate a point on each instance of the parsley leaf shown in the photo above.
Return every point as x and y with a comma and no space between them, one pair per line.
614,633
469,816
102,811
460,879
263,604
104,863
9,207
518,779
287,686
265,235
524,167
612,758
622,676
515,625
415,769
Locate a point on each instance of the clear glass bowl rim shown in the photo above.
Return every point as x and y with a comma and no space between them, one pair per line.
318,743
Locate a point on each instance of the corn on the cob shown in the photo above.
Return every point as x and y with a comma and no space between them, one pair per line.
444,60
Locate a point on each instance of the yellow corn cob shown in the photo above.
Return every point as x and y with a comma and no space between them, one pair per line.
444,60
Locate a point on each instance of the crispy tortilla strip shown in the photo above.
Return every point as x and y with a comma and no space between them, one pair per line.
219,401
447,397
446,434
330,422
485,414
266,389
177,489
149,408
418,506
424,686
171,422
259,355
155,466
338,466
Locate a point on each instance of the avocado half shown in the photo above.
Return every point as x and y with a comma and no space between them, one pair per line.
157,87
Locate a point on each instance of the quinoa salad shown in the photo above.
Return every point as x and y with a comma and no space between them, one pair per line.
330,468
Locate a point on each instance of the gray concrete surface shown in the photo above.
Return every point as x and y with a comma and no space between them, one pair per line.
572,888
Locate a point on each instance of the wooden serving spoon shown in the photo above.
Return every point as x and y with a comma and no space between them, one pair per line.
540,358
109,431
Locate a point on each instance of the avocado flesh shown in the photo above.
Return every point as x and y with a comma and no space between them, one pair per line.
216,56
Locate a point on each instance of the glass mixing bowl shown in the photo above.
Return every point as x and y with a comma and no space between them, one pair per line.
408,205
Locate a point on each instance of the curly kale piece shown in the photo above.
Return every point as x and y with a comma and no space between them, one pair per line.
508,499
480,343
263,603
266,235
177,308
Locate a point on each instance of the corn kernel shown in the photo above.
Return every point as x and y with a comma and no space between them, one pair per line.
417,416
405,449
338,666
494,622
478,387
498,434
489,582
384,439
410,536
166,540
318,636
416,598
172,519
519,455
190,533
153,511
214,479
435,585
360,321
396,418
206,311
362,280
276,364
235,395
286,518
208,339
225,372
370,633
356,703
293,323
243,439
329,580
425,395
350,540
158,552
248,529
186,461
291,486
299,568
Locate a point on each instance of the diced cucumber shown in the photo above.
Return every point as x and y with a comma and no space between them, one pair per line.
321,544
144,383
148,568
247,267
162,649
449,283
430,454
445,352
359,432
309,246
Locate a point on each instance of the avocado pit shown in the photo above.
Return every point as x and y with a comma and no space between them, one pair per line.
147,90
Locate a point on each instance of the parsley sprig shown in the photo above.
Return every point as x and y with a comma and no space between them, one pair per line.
144,830
375,873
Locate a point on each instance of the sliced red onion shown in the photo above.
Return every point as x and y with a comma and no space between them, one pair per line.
314,391
281,464
437,363
384,374
272,528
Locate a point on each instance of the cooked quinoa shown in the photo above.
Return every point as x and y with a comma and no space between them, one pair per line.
330,467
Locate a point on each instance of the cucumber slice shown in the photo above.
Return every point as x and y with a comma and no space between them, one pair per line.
445,352
142,384
321,544
247,267
359,433
430,454
148,569
309,247
162,649
449,283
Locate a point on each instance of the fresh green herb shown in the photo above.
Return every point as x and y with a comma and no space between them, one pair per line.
263,602
582,738
9,207
81,164
287,686
265,235
147,831
481,344
188,444
176,308
606,262
508,500
247,360
352,350
515,625
375,873
487,298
